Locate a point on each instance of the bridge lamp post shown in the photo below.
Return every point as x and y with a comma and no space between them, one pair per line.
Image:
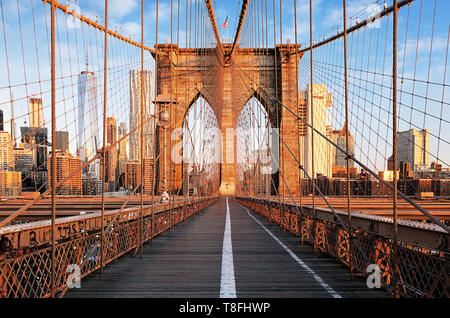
163,106
163,114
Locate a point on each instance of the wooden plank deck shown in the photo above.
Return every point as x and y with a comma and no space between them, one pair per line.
188,262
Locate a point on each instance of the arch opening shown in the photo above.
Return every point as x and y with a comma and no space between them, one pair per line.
201,149
257,151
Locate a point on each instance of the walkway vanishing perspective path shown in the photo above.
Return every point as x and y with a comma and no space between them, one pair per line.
220,254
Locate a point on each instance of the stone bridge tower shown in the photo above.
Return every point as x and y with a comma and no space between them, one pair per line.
184,75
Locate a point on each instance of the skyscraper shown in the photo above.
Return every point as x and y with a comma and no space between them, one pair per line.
122,129
135,91
414,148
120,175
36,117
322,153
123,142
6,151
35,138
62,141
112,155
10,183
111,130
66,165
339,137
87,116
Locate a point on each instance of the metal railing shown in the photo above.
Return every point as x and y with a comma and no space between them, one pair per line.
422,270
28,275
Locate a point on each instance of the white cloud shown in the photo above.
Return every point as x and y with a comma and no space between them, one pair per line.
163,11
360,9
439,44
121,8
131,28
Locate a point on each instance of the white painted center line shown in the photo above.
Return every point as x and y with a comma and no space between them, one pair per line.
227,283
298,260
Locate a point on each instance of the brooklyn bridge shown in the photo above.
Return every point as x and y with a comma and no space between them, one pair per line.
245,148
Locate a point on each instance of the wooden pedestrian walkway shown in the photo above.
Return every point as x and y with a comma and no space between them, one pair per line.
193,261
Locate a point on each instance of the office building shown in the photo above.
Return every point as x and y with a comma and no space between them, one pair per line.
135,106
34,135
112,155
302,113
6,151
35,138
414,148
36,115
111,130
322,103
123,143
339,138
23,158
123,157
62,141
10,183
66,165
133,175
24,163
87,143
111,159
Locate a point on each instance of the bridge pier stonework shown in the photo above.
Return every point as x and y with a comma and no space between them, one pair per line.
227,84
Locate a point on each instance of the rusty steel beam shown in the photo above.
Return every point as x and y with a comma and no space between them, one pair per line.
356,27
100,27
212,18
410,232
239,27
73,207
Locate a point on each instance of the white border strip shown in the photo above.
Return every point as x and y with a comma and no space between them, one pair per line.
227,283
298,260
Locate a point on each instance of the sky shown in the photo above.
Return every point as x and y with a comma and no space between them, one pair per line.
27,41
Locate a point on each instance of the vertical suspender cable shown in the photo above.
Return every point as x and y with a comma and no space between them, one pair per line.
394,136
141,101
53,163
105,73
277,109
281,116
347,133
312,123
269,150
154,130
299,137
281,23
170,181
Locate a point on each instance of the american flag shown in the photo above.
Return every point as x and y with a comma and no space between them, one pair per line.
225,24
